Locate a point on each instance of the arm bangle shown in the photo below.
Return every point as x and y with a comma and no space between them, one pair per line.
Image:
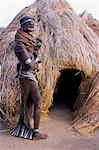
28,61
36,60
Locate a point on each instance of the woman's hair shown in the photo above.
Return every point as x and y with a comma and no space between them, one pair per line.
26,19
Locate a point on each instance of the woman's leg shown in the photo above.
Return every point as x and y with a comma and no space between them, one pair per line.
36,98
30,108
25,88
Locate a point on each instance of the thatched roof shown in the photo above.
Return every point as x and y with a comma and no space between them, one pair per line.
67,43
90,21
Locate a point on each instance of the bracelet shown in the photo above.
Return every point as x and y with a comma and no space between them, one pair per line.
36,60
28,61
36,130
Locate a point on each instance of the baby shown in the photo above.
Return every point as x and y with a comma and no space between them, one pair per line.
36,53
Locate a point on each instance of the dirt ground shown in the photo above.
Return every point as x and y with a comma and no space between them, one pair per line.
60,135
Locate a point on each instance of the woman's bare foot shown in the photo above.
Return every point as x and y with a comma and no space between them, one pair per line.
39,136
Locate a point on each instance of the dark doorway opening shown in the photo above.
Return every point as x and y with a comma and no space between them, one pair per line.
67,89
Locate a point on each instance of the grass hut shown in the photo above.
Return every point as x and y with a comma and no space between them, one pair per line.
70,54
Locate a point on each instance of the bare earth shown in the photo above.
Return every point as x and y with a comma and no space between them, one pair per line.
60,135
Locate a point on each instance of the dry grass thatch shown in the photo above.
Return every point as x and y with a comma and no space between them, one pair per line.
91,21
67,43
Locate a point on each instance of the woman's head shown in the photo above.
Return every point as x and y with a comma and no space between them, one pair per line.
27,23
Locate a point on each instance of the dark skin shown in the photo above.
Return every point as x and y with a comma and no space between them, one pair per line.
28,26
30,94
30,97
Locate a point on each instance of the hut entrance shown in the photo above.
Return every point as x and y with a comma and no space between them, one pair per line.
67,89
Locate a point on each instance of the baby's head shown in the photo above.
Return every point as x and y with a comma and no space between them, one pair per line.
38,44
